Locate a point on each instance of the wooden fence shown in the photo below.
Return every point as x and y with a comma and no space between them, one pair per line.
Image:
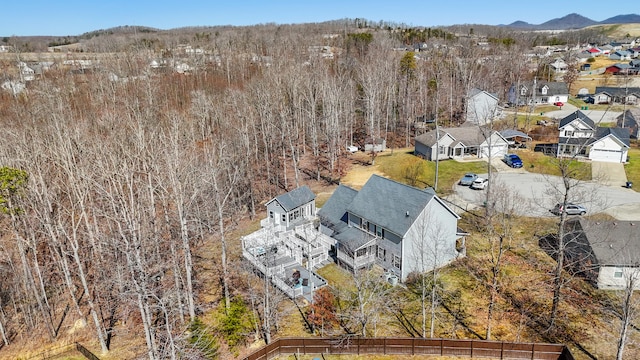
413,346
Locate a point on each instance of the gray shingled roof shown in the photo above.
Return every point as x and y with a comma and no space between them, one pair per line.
577,115
332,213
468,135
621,133
390,204
617,91
295,198
510,133
611,242
630,118
554,88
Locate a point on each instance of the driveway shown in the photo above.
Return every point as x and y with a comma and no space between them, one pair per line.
535,194
608,174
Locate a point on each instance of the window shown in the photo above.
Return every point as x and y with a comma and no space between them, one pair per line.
442,149
361,252
271,214
544,90
379,231
396,262
523,91
617,274
382,252
284,218
568,133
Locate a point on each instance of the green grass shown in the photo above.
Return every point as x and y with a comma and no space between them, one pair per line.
407,168
579,104
633,167
539,163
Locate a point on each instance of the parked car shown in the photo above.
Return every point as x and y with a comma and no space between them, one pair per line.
468,179
571,209
512,160
558,103
352,149
479,183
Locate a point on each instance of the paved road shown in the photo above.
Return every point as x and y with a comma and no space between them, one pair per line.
535,194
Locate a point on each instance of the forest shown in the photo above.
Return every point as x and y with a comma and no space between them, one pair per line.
119,193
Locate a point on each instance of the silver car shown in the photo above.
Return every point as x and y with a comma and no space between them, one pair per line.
571,209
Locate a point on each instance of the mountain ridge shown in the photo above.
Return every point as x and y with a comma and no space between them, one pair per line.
574,21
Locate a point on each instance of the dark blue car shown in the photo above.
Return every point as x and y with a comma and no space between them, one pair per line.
512,160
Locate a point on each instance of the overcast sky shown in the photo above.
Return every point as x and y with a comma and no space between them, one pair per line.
74,17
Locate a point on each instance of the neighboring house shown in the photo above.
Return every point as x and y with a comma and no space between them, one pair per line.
594,51
559,66
585,67
288,246
620,95
482,107
630,119
620,55
398,227
606,252
461,142
635,52
605,49
635,63
580,137
26,72
618,69
539,93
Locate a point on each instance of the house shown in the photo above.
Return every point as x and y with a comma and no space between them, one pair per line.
539,93
620,95
288,246
594,51
630,119
559,66
581,138
482,107
605,49
401,228
620,55
635,52
618,69
635,63
461,142
607,253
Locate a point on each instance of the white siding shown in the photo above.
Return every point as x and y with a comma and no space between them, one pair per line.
611,277
608,150
431,240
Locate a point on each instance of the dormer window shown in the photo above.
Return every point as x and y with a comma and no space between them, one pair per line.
544,89
523,91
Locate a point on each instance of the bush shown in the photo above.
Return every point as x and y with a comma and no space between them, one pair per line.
236,323
202,339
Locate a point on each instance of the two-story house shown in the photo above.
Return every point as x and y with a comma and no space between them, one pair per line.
539,93
580,137
482,107
398,227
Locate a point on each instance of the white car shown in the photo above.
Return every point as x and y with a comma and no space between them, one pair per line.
352,149
479,183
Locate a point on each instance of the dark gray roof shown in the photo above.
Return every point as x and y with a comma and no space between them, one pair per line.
333,212
553,88
295,198
630,118
617,91
390,204
577,115
468,135
510,133
353,238
621,133
611,242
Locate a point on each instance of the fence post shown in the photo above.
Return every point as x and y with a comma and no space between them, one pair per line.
384,346
502,350
533,348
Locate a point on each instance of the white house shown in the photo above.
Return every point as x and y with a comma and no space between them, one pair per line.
482,107
398,227
539,93
460,142
580,137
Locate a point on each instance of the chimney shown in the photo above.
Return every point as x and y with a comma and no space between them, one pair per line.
407,214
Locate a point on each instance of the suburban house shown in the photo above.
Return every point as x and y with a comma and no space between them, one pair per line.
607,253
559,66
620,55
619,69
539,93
377,145
288,247
482,107
460,142
401,228
620,95
594,51
580,137
630,119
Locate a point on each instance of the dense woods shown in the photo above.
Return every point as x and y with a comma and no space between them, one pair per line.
108,183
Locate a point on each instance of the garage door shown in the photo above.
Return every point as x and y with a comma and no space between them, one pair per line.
605,155
497,151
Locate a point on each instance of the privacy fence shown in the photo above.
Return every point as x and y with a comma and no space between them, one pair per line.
413,346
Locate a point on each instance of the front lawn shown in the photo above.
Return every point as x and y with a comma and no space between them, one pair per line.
537,162
410,169
632,168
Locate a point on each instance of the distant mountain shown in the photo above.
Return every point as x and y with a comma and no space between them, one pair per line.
571,21
622,19
574,21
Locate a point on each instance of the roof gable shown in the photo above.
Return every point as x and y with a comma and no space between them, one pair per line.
294,198
621,134
577,115
611,242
